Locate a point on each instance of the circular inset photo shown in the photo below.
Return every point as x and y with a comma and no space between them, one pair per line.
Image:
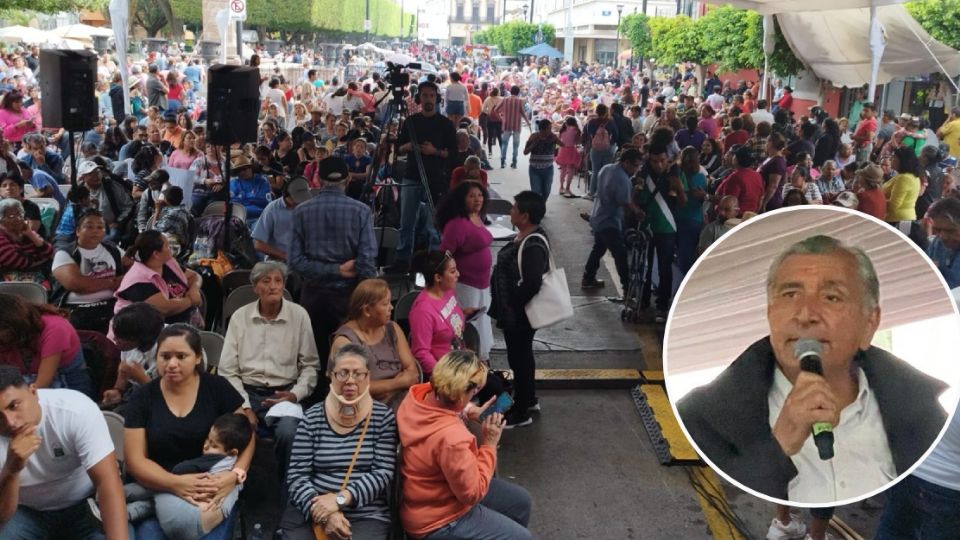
810,356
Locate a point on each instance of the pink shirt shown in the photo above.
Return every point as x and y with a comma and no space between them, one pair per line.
180,160
470,247
434,327
57,337
8,123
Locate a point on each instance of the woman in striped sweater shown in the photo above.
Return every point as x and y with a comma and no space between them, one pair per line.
327,439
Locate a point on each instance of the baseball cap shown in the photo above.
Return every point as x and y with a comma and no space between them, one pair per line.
847,199
333,169
86,167
299,190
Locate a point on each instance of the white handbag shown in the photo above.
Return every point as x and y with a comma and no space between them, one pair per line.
552,304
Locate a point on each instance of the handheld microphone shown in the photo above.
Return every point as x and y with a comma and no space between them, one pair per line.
808,351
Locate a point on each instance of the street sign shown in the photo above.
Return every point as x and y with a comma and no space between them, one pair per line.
367,25
238,10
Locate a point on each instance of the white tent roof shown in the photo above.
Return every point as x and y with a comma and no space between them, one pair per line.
81,31
25,34
768,7
832,37
835,45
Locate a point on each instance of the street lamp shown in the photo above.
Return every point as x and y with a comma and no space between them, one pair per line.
616,57
525,7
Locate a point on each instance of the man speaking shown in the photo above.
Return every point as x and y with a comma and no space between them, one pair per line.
756,421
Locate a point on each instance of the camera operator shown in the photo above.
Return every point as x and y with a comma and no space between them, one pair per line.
437,140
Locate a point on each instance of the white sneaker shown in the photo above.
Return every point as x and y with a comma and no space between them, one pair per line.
794,530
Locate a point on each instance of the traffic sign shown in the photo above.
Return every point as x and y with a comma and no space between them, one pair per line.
238,10
367,25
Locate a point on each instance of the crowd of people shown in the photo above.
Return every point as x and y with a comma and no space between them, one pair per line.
317,364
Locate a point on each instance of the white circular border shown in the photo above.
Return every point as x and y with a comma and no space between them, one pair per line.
666,354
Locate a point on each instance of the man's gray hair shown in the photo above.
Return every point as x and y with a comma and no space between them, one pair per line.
6,204
825,245
261,269
34,138
946,208
350,349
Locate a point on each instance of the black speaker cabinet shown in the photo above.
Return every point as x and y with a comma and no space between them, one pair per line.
233,98
67,83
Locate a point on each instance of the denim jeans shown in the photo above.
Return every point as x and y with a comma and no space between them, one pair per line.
597,161
503,513
611,239
415,219
150,529
919,509
541,180
507,135
688,236
664,247
30,524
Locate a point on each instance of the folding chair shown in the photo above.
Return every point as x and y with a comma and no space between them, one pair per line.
27,290
212,344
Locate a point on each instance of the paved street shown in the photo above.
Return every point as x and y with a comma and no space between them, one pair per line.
587,460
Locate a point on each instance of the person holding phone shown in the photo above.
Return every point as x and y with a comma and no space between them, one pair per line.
449,489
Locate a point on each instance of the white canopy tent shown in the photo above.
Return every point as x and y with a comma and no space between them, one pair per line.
23,34
81,32
854,42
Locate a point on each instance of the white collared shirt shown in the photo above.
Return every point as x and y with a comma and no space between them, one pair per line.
862,461
264,352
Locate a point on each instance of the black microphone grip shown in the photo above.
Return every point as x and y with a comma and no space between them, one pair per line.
822,431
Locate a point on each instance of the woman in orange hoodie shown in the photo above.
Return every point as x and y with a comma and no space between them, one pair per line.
449,490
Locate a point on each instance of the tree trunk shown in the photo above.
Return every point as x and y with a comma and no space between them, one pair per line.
176,26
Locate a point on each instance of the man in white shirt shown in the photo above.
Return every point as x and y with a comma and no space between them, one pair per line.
716,100
270,356
754,420
762,114
55,453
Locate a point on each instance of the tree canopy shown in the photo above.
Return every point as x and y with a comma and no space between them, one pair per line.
940,18
726,36
513,36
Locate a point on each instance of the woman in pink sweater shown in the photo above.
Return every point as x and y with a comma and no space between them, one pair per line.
468,241
436,320
15,120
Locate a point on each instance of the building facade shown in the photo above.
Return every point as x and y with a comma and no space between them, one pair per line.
594,23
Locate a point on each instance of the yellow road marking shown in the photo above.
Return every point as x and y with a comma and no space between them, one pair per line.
720,528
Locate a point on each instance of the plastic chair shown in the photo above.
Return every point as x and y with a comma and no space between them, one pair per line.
233,280
212,344
115,427
471,337
401,313
240,297
499,207
27,290
219,208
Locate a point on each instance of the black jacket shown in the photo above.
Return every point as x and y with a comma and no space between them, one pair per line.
512,288
729,418
624,129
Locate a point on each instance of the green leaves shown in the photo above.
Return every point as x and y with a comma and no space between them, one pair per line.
310,15
728,37
54,6
513,36
940,18
636,29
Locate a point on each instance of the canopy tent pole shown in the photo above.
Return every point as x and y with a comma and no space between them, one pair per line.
935,59
769,45
120,17
878,42
568,34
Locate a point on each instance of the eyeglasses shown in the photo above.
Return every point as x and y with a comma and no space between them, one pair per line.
344,375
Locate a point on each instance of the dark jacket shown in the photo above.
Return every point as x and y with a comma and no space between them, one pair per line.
512,288
732,426
624,129
117,103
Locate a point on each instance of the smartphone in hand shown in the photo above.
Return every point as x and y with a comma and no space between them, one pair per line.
501,405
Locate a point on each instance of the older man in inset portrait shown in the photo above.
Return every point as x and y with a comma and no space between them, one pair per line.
755,420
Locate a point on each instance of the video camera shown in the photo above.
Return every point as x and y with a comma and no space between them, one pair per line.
398,77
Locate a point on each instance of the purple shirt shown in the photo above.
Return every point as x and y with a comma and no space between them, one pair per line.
470,246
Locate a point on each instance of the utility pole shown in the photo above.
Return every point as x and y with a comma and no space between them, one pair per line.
366,21
616,57
531,11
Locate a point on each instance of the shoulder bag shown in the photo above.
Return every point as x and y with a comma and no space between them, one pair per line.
552,304
318,531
